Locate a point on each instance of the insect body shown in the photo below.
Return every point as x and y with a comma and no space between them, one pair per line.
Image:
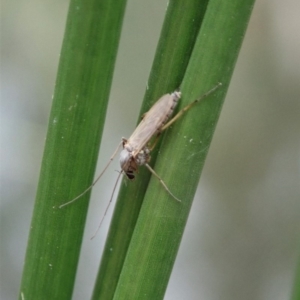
136,150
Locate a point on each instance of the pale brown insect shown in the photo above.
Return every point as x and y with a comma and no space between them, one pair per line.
136,150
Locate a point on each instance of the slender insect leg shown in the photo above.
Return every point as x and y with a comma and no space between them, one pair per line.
90,187
161,181
186,108
110,200
155,142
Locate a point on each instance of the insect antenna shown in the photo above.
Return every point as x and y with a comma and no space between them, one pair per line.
112,196
97,179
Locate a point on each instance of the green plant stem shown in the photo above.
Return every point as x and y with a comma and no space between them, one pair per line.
296,287
76,121
180,29
161,221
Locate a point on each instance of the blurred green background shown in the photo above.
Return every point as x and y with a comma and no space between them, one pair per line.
242,237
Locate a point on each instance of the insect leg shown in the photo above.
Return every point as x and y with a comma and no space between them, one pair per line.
161,181
155,142
186,108
110,200
90,187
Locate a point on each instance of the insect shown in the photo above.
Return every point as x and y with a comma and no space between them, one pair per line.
136,150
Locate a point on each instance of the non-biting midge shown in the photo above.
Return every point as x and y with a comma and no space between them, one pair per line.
136,150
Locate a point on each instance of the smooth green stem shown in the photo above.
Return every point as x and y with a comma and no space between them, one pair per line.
296,287
160,226
75,125
179,32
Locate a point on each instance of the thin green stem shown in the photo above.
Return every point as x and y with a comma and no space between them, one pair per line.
161,221
75,125
179,32
180,29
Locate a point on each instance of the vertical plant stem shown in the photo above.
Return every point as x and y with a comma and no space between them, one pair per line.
161,221
296,288
76,121
179,32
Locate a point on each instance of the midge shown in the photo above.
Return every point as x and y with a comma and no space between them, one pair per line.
136,150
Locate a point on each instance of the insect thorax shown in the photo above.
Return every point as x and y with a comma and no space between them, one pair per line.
143,156
130,161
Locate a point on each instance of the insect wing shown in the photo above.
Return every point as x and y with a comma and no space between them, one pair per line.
152,122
